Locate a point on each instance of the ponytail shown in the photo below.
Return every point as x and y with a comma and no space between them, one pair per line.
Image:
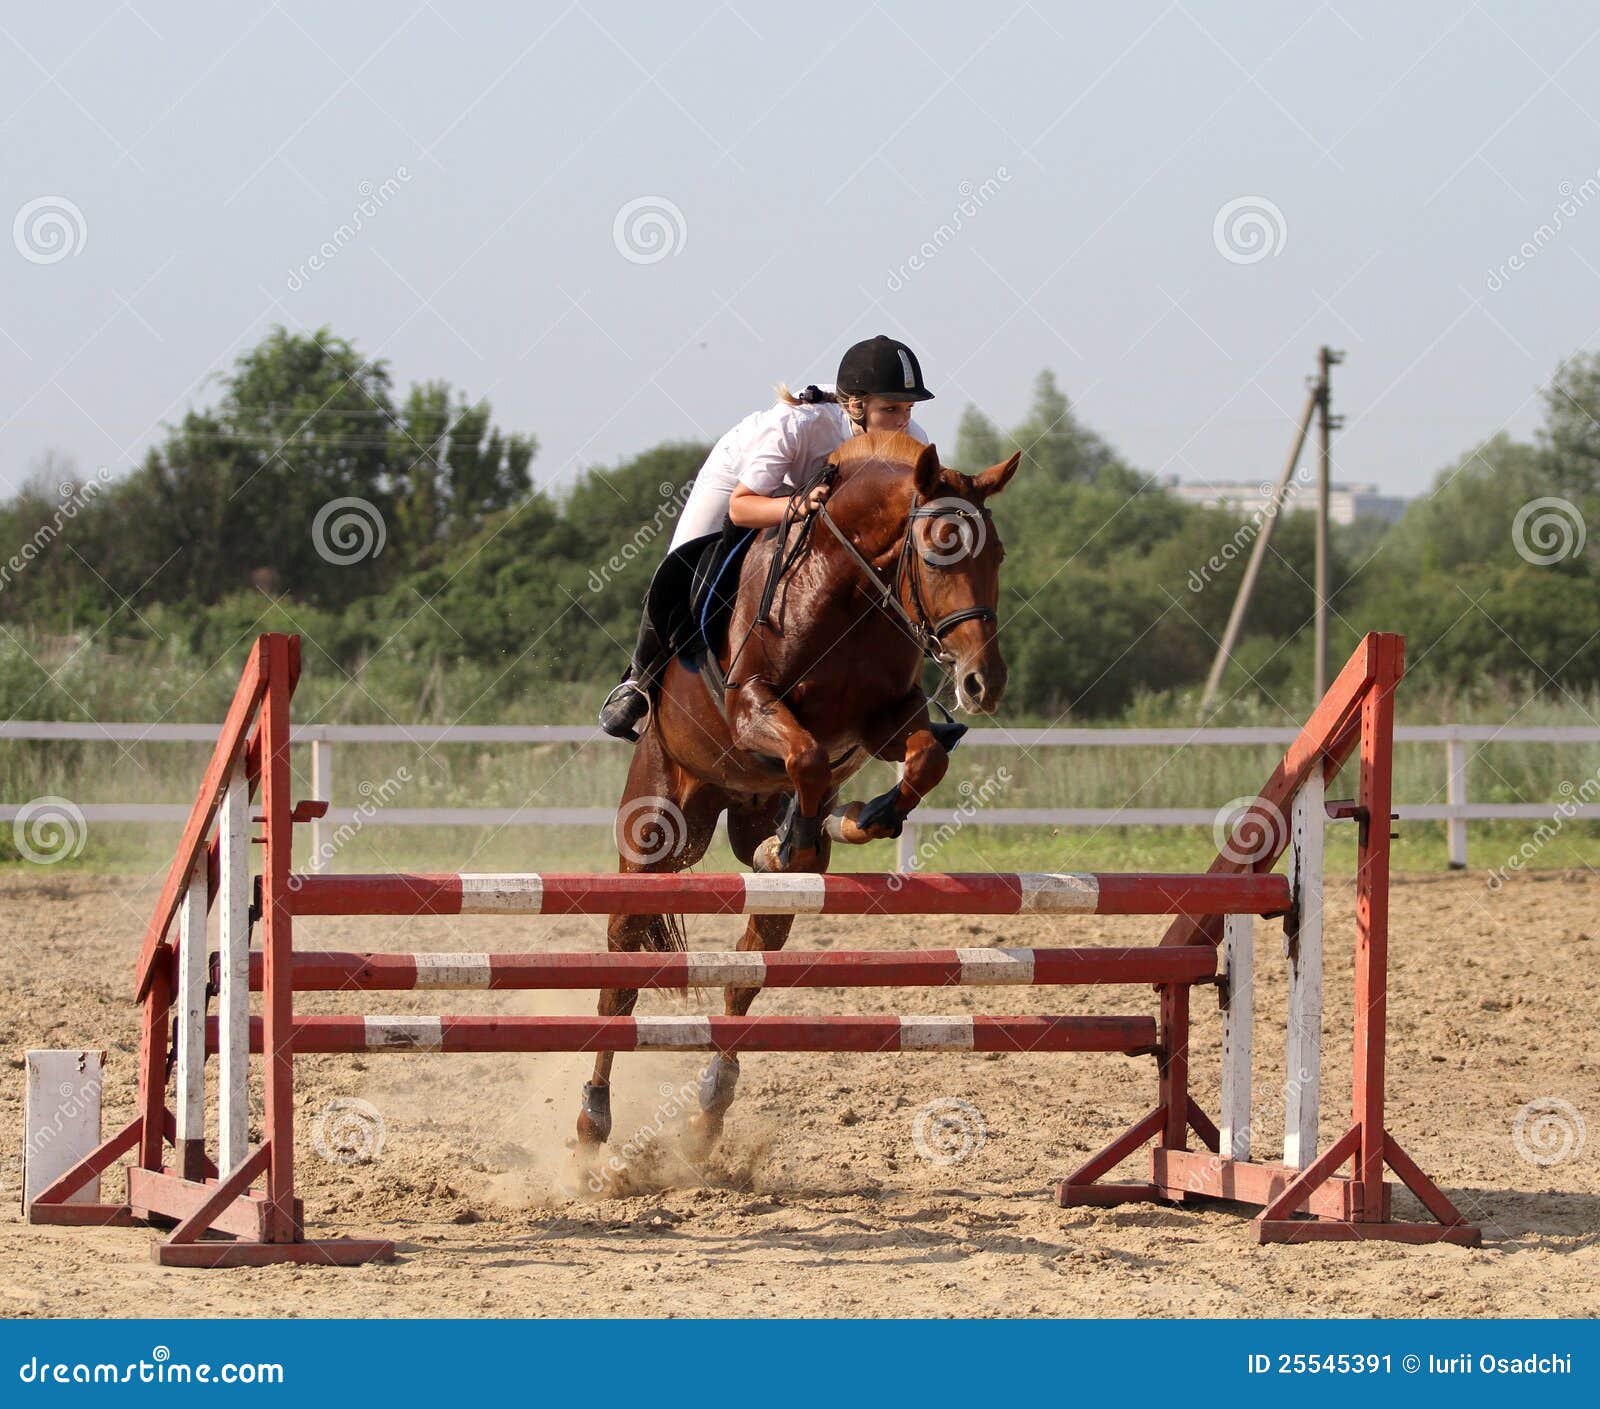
810,396
854,407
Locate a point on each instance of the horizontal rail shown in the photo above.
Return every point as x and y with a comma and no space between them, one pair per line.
534,893
155,813
929,968
718,1034
432,734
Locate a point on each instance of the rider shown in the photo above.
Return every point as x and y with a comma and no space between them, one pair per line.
751,477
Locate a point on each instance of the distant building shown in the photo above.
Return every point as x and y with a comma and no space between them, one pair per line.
1346,502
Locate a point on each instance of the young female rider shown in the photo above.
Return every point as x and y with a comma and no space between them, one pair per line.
751,476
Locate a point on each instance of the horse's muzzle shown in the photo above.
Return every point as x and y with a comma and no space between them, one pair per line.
979,690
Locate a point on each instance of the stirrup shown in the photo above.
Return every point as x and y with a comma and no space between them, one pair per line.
624,709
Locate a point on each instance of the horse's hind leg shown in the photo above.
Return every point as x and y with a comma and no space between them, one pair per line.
748,828
660,828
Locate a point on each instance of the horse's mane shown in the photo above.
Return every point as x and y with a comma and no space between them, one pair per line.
894,446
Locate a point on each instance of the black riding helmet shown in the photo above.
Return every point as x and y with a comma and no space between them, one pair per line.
882,367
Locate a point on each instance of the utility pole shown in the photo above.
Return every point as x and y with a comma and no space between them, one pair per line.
1327,359
1317,401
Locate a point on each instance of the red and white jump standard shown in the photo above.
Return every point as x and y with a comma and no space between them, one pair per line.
241,1208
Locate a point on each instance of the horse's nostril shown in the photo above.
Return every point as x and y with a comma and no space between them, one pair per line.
972,685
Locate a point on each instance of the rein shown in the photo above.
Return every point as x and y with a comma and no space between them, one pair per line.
927,634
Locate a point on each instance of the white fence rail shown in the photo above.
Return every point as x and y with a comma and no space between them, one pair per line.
1456,811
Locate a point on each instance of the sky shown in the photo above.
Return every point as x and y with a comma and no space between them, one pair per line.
624,223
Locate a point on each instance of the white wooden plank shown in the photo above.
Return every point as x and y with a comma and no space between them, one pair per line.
1238,1034
233,1002
1303,1061
60,1119
189,1101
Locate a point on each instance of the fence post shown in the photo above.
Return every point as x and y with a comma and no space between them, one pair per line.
1455,753
322,791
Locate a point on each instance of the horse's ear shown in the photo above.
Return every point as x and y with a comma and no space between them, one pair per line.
926,472
995,478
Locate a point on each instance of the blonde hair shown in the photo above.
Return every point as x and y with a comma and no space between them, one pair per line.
854,407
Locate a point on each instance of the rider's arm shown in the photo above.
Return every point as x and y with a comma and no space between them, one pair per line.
750,509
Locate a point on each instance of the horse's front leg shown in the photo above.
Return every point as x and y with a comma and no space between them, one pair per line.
900,733
760,722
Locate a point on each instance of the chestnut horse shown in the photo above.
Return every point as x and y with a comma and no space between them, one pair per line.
909,563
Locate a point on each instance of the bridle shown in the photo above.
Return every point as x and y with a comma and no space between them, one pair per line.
928,634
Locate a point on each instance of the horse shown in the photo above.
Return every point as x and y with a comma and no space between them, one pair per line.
901,562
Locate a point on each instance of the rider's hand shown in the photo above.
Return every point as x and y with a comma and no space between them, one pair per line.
811,500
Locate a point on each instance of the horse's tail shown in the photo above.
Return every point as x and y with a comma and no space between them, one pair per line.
664,934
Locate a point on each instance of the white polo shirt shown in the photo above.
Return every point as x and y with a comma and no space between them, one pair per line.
772,452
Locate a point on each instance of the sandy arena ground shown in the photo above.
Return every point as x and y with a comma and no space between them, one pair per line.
820,1202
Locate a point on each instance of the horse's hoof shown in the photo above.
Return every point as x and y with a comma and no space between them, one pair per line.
594,1116
766,856
882,817
718,1082
704,1129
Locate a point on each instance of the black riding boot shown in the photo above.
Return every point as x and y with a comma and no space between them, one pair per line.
627,706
